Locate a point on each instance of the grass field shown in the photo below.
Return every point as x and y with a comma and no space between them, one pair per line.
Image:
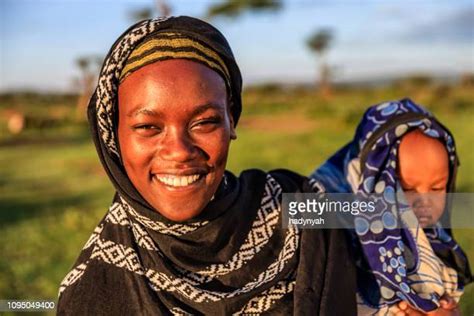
53,190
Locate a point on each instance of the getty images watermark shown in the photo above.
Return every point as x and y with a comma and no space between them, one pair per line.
378,211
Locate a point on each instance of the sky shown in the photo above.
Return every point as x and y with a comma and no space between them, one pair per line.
40,40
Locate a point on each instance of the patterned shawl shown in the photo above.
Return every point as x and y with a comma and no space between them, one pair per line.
233,258
410,264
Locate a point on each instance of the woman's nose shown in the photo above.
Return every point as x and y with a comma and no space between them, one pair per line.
178,146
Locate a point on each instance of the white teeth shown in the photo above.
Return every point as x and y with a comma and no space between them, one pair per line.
178,181
193,178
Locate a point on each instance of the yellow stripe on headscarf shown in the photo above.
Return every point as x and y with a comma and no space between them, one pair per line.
162,55
174,43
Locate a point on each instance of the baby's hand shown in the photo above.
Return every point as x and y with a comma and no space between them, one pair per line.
448,307
407,310
449,303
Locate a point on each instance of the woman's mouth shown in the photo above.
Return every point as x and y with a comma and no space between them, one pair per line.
178,181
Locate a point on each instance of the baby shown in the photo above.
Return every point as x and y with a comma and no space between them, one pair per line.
424,175
401,150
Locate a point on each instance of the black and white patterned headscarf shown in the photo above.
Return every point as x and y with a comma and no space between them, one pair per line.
233,258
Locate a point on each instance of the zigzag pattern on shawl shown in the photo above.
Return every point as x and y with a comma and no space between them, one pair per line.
168,229
73,276
262,230
107,86
176,311
161,281
263,302
115,215
186,285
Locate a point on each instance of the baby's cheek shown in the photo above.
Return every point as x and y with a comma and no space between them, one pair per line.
410,198
439,202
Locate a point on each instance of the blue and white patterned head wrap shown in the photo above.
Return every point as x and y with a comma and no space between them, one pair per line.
395,264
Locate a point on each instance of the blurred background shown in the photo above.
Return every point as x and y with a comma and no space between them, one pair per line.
310,69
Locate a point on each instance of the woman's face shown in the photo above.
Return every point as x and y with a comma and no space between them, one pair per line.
174,132
424,175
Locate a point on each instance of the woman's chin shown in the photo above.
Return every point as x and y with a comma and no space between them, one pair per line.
181,207
180,213
183,201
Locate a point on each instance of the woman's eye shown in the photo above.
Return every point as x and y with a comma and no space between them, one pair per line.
146,129
206,124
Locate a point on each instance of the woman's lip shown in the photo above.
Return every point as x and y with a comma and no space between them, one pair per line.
173,188
181,172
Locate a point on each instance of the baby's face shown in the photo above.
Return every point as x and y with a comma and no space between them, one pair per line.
424,174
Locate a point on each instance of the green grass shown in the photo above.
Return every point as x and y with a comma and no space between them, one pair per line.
53,190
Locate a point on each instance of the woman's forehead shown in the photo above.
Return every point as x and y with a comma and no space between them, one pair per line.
178,85
174,69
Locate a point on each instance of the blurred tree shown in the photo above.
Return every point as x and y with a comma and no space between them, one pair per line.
319,43
233,8
419,80
89,67
467,79
141,14
161,7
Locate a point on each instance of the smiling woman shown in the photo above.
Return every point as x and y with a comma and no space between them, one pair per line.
183,235
174,134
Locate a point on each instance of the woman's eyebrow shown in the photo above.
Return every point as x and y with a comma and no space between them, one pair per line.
142,111
209,106
197,111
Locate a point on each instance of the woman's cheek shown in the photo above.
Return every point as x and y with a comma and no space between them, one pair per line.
215,146
140,151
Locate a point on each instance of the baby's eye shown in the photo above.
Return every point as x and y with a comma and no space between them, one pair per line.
439,189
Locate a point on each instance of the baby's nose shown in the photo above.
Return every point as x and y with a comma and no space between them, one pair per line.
421,198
